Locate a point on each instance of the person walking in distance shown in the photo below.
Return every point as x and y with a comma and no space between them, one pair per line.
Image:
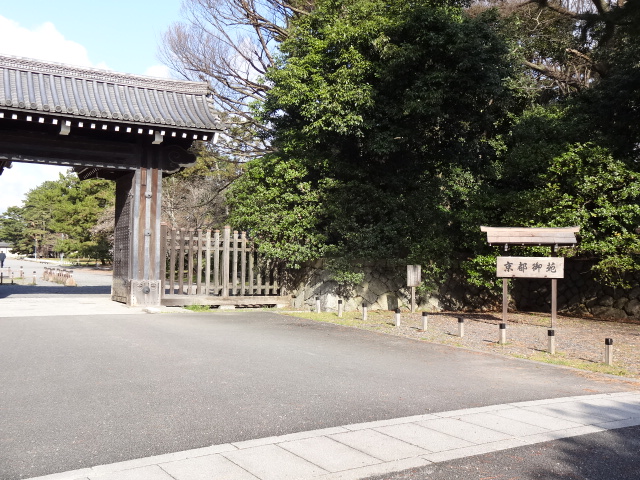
2,258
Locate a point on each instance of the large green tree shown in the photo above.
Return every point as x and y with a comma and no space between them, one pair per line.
400,127
571,158
384,115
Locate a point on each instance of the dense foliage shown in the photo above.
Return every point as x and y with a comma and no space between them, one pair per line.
372,160
400,127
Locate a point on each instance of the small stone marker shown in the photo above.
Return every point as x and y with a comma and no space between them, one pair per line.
552,341
397,317
364,311
608,351
340,308
503,334
460,327
425,321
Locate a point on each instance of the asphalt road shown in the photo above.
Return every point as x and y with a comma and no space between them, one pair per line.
610,455
79,391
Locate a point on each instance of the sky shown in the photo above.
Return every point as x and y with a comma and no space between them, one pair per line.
119,35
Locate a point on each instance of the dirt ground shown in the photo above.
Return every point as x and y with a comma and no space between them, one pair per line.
580,342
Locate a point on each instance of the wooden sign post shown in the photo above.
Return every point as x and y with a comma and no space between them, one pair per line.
414,277
531,267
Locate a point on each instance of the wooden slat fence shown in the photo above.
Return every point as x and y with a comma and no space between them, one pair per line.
216,264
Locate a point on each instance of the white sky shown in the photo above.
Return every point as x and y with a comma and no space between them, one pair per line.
84,33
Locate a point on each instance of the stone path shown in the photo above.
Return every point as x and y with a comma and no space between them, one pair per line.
353,452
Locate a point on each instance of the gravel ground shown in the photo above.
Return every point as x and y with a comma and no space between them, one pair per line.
579,341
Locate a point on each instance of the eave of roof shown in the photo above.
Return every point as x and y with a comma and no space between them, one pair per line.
551,236
104,96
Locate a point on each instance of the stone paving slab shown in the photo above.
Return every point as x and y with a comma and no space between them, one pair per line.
536,419
271,462
512,427
364,450
465,430
379,445
328,454
207,468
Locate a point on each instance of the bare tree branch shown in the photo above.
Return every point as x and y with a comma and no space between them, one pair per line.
231,44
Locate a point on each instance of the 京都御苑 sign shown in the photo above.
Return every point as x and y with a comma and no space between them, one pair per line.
530,267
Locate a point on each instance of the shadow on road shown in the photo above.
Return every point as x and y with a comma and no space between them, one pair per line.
612,454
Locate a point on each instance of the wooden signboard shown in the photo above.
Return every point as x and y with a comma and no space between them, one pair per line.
414,277
414,274
530,267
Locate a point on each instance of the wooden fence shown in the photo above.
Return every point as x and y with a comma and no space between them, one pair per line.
218,265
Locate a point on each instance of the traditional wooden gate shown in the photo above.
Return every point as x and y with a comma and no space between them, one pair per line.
103,124
217,268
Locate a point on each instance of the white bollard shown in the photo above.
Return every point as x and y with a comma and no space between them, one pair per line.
340,308
397,317
503,334
425,321
608,351
317,304
364,311
460,327
552,341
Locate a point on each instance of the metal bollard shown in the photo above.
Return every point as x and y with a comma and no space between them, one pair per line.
397,317
460,327
317,304
552,341
364,311
503,334
608,351
340,308
425,321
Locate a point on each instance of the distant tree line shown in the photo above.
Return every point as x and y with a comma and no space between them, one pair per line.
62,217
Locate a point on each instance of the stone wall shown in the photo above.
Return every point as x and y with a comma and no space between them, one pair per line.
580,294
383,288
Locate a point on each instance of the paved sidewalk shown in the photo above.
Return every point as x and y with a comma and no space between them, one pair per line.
357,451
69,304
64,305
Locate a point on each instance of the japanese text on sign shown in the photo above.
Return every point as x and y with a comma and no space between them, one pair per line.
530,267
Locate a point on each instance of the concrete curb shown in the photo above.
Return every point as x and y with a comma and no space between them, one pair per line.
352,452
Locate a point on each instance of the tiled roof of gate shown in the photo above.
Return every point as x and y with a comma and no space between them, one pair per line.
58,89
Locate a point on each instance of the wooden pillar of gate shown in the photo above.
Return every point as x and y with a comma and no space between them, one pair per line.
137,245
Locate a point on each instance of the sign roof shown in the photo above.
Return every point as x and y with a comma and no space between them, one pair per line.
531,235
